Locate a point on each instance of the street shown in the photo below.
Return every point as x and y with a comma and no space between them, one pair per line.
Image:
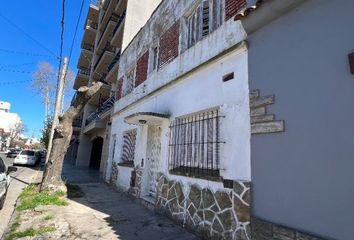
19,180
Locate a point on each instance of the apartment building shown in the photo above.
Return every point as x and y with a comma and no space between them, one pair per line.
109,27
181,98
10,125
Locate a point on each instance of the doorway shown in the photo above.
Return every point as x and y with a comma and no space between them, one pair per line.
96,152
153,158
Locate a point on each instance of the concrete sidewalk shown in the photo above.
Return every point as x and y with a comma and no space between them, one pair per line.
105,213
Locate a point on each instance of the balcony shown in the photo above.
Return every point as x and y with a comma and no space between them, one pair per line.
85,56
104,60
77,123
113,69
118,31
108,7
95,119
90,31
82,78
107,33
93,11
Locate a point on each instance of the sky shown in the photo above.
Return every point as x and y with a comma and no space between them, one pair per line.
39,19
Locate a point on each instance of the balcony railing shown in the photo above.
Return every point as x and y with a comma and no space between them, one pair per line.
120,20
92,24
87,47
77,123
108,48
105,107
114,61
84,72
114,18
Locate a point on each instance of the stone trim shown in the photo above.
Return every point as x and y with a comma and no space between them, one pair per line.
114,174
266,230
261,122
224,214
135,181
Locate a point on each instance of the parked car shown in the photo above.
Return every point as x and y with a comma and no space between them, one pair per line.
13,153
4,180
26,157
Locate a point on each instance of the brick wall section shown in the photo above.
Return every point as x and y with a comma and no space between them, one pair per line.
119,88
169,45
141,69
232,7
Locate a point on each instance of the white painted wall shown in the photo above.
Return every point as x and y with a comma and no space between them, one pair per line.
137,13
198,91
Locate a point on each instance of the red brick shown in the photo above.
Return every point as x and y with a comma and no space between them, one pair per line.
119,89
142,69
169,45
232,7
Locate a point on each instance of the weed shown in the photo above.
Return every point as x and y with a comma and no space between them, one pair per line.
30,232
31,198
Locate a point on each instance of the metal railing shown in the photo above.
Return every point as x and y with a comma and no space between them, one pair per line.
108,48
120,20
114,18
77,123
84,71
194,148
87,47
92,24
114,61
105,107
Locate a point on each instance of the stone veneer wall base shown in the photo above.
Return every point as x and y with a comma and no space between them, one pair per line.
224,214
263,230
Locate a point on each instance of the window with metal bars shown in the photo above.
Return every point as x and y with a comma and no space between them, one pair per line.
128,148
194,148
206,17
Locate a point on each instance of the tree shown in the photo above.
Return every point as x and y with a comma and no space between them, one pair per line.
15,131
44,83
62,135
46,132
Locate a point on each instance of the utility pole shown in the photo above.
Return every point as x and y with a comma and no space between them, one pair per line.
58,101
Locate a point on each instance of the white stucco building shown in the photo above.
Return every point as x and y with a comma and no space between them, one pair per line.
8,122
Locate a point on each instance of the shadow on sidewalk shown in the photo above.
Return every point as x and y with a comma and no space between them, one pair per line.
124,215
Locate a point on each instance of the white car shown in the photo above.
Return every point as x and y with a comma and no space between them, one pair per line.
26,157
4,180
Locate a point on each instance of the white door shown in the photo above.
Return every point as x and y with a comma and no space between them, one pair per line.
153,154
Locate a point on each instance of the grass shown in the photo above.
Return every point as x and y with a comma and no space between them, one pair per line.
74,191
30,232
48,217
31,198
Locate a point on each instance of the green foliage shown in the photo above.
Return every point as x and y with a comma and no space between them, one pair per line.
31,198
30,232
46,132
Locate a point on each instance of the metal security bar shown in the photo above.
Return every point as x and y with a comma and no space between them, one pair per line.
128,148
195,145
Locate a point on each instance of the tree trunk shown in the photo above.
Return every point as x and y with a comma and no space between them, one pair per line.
62,135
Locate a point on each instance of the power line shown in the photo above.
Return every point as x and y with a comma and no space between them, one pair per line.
14,82
27,35
62,22
77,26
25,53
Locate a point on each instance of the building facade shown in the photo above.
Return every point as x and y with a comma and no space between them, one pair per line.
182,86
226,116
109,27
10,124
302,178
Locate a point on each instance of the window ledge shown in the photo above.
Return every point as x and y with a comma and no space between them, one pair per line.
129,164
193,172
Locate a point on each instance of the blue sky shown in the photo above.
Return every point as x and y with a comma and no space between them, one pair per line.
41,20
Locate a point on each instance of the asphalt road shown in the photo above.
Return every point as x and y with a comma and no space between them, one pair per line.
19,179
